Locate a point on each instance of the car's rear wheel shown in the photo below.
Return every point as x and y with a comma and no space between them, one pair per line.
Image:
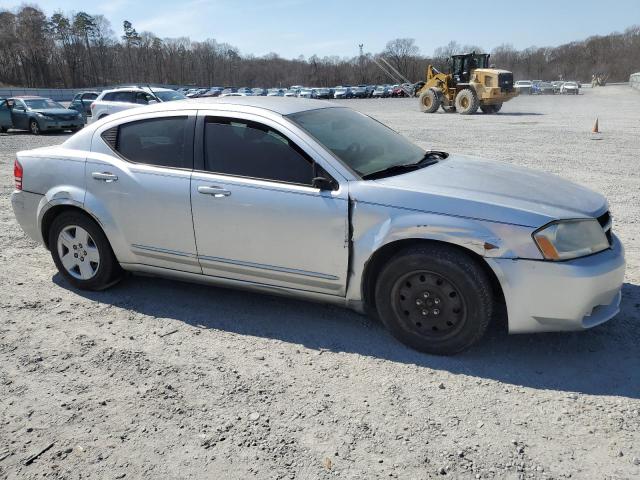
34,127
434,298
82,252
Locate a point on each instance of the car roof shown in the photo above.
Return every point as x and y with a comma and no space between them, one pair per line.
143,88
279,105
29,97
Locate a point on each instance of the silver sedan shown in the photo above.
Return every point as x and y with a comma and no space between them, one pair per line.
317,201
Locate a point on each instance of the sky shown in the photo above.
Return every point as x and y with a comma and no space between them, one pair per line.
292,28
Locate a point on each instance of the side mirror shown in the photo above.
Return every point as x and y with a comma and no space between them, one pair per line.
322,183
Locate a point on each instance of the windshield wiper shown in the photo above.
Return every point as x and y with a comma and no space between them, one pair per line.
430,158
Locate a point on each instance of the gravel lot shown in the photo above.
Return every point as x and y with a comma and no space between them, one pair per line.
161,380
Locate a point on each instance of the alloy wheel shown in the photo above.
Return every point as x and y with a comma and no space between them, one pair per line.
78,252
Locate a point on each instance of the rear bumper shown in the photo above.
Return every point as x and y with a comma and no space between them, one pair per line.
25,209
561,296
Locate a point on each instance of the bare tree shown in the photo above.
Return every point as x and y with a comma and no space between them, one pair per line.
81,50
400,52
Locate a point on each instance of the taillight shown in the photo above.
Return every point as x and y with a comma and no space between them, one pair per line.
17,174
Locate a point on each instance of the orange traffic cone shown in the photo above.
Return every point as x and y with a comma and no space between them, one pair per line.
595,127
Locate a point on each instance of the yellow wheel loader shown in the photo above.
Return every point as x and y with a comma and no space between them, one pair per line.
470,85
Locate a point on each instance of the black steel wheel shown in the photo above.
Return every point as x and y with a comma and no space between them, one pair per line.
434,298
429,304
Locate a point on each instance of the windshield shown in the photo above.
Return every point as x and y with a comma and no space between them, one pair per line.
362,143
168,95
40,103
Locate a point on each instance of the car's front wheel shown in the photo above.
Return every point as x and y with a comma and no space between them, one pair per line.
434,298
82,252
34,127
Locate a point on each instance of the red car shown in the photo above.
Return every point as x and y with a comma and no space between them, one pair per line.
398,92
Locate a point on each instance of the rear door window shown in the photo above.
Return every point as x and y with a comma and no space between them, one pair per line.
128,97
164,142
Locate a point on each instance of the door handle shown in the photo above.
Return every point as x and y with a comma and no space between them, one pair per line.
217,192
105,176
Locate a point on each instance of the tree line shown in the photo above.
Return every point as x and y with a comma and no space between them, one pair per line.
81,50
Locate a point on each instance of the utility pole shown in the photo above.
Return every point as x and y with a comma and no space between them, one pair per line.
361,45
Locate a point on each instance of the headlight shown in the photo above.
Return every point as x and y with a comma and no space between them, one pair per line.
568,239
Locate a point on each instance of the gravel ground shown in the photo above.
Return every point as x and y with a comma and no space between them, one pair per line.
158,379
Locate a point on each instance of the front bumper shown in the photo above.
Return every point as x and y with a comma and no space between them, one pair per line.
25,208
577,294
60,124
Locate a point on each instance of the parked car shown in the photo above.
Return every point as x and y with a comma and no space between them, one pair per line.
323,93
39,114
381,92
436,239
235,94
557,85
343,92
82,102
291,93
544,88
359,92
570,88
523,87
212,92
112,101
398,91
5,116
306,93
259,92
275,92
246,90
368,90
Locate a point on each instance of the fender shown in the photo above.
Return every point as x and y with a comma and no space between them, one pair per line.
58,195
97,210
375,227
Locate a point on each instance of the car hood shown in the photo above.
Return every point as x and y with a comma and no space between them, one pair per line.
54,111
486,190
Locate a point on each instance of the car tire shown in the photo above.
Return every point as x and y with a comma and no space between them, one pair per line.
430,101
82,253
34,127
434,298
467,102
